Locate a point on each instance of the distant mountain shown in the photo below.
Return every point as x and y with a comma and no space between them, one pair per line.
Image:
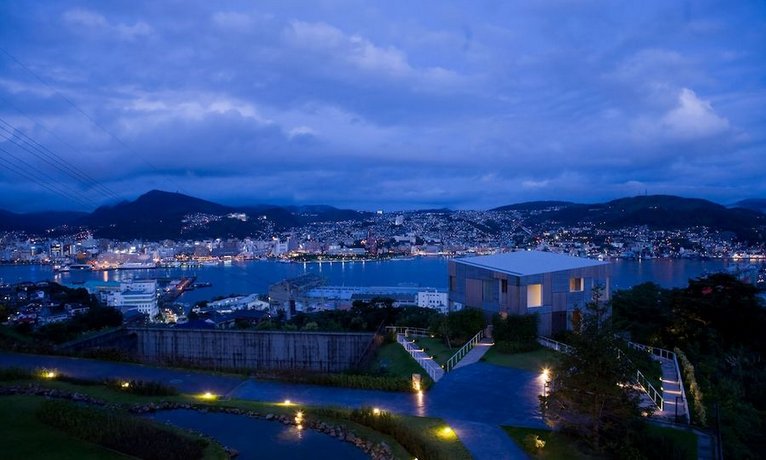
37,222
663,212
534,206
754,204
160,215
324,213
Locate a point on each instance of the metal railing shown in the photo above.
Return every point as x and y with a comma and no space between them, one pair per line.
670,356
641,379
428,364
661,352
554,345
463,351
650,391
408,331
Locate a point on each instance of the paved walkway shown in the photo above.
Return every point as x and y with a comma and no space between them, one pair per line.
671,389
485,441
473,356
477,398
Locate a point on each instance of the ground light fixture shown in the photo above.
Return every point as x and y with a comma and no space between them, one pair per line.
376,411
125,385
446,433
49,374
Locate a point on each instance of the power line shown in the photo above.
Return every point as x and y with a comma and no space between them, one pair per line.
29,176
68,163
49,157
81,198
85,114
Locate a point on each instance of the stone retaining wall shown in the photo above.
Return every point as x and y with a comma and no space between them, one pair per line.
252,350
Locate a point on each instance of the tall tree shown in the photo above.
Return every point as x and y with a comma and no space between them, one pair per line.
593,394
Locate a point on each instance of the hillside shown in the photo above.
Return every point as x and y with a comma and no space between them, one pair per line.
160,215
753,204
36,222
663,212
534,206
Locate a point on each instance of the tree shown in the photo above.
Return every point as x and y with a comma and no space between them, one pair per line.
593,395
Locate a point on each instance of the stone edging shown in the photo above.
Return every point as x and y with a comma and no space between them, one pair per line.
381,451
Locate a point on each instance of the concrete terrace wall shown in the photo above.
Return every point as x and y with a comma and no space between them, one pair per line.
253,350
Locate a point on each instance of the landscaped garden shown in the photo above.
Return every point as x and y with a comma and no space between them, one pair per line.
113,406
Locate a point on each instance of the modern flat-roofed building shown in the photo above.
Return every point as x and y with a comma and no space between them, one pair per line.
551,285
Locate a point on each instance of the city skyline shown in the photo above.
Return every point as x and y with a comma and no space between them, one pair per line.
459,106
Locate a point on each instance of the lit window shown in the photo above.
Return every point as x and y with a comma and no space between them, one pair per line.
534,295
575,284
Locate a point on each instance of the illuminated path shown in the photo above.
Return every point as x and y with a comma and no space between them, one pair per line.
474,399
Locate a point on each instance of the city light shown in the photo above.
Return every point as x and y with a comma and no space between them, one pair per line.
208,396
375,411
125,385
287,402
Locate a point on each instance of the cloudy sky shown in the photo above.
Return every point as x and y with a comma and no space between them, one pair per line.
389,105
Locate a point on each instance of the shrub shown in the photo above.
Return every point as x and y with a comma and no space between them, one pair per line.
521,329
416,442
121,432
14,373
143,388
697,408
515,347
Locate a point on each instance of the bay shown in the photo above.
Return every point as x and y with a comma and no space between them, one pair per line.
256,276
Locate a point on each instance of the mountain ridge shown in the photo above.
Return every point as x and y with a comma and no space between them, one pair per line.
159,215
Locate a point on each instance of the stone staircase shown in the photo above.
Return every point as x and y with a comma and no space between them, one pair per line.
428,364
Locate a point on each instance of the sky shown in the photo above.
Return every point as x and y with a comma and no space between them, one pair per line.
380,105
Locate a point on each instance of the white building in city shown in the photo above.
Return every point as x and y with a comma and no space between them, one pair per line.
136,295
433,299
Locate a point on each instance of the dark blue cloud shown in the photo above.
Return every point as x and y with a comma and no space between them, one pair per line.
385,106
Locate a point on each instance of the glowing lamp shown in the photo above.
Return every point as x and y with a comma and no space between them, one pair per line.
376,411
49,374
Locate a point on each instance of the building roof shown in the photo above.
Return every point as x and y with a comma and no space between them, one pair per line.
524,263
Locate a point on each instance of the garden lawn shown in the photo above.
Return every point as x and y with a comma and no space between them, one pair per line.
683,439
564,447
452,448
533,361
437,348
557,445
23,436
396,361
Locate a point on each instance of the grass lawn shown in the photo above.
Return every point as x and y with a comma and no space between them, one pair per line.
557,445
24,437
564,447
682,439
532,361
432,429
395,360
437,348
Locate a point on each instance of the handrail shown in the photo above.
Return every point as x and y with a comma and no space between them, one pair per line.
669,355
452,362
428,364
661,352
649,389
554,345
408,331
641,379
